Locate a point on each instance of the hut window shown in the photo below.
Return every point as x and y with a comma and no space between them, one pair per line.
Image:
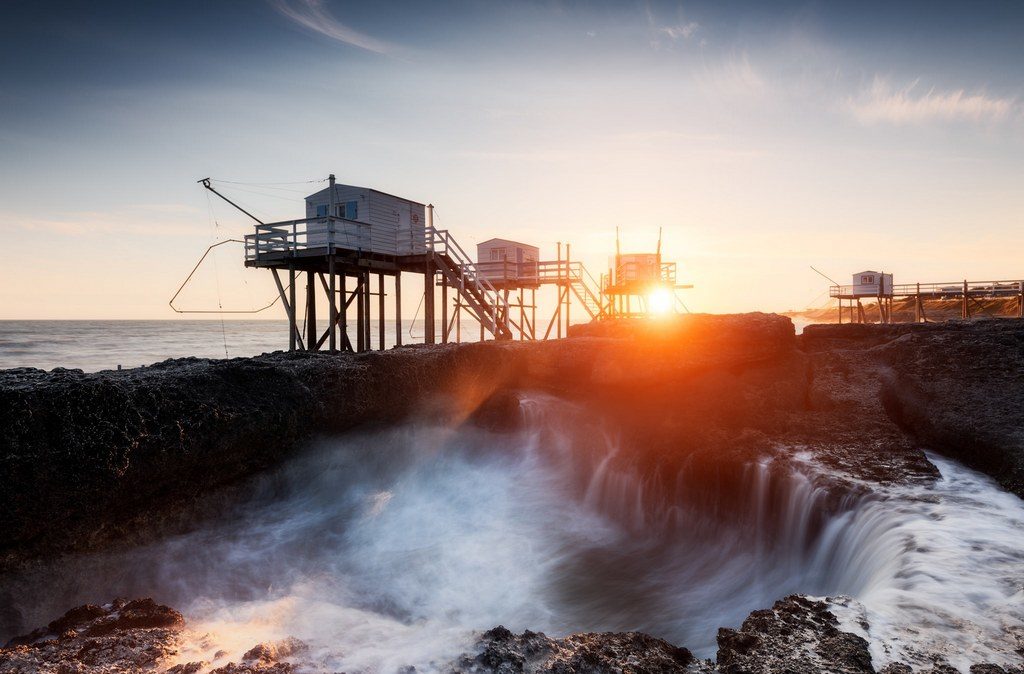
498,254
348,210
321,211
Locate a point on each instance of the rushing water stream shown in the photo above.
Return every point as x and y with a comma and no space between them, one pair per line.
390,548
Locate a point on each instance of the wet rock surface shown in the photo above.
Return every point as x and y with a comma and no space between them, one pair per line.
503,652
796,635
131,636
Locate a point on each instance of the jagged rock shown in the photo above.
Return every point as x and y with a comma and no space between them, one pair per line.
797,635
121,637
503,652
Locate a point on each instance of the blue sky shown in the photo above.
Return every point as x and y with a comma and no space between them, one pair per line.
762,137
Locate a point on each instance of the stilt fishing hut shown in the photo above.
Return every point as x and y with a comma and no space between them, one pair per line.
512,268
641,284
352,236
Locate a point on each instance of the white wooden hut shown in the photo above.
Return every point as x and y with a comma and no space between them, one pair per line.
866,284
376,222
507,261
637,268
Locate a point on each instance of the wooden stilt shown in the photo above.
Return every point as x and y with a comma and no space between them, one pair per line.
360,314
444,311
398,309
380,311
568,285
310,311
366,311
428,305
343,318
332,340
533,312
293,326
558,308
965,310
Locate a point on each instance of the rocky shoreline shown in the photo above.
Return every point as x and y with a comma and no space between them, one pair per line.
797,635
92,461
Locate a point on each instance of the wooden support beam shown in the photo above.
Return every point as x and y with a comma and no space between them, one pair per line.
381,316
357,295
294,324
310,311
444,310
289,307
366,300
343,314
568,285
965,310
428,304
558,307
332,291
398,309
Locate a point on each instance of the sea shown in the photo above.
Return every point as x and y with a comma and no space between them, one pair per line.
93,346
107,345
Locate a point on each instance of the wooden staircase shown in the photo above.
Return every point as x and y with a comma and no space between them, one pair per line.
460,272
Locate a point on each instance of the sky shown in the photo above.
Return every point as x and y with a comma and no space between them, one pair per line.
761,138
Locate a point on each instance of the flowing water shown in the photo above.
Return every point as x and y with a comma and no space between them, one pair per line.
390,548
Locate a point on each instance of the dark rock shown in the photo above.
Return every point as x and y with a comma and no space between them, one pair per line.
114,639
503,652
797,635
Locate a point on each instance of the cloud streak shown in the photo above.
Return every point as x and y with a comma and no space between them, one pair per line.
314,16
881,103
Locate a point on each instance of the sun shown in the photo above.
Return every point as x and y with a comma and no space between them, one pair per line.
659,301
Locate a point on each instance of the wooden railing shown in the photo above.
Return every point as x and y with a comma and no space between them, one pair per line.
950,289
292,236
495,308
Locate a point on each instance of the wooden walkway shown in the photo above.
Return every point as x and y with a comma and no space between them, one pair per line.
969,293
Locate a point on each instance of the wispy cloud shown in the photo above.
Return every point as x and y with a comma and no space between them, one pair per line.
314,16
884,103
680,31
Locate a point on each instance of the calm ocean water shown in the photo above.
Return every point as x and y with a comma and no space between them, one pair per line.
103,345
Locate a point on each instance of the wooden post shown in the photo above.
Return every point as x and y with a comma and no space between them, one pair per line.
428,304
1020,300
444,310
332,340
917,305
458,320
558,308
293,326
366,299
522,314
398,308
380,310
310,311
532,311
965,309
360,313
568,287
343,319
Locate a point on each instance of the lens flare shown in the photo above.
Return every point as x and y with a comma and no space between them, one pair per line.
659,301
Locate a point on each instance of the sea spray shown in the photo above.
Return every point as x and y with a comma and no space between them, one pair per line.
390,548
